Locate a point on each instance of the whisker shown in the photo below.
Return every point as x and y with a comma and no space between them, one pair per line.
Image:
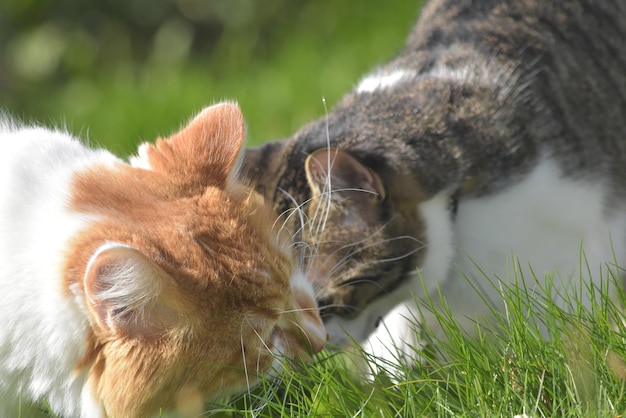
372,245
256,410
334,305
298,310
302,216
259,336
302,331
353,244
323,210
298,207
362,281
331,274
326,192
289,213
245,363
317,223
372,262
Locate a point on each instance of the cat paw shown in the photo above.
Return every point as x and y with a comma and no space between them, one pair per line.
396,341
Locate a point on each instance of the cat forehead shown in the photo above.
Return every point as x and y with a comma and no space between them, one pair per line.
220,251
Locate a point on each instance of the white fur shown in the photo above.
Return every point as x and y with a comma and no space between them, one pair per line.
544,220
482,73
382,81
43,332
132,282
141,159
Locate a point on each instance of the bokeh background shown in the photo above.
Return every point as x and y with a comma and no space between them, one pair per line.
118,72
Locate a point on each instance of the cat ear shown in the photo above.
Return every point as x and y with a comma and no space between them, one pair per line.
206,151
330,169
126,291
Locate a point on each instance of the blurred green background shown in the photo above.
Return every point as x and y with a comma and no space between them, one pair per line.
119,72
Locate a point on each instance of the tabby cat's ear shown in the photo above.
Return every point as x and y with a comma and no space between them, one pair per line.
127,293
330,169
206,151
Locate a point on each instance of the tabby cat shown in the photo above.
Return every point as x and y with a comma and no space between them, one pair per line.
133,289
498,131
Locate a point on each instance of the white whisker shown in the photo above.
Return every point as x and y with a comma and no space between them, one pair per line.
334,305
245,363
346,258
298,310
302,216
322,211
260,339
331,274
328,183
306,335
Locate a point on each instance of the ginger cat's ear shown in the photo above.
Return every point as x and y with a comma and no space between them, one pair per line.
336,171
206,151
126,292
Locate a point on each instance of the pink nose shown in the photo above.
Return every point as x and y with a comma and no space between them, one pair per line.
312,324
316,333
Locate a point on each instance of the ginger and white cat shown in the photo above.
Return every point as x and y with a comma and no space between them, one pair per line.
498,131
131,289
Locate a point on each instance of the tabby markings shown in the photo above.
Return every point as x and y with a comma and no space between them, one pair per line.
546,221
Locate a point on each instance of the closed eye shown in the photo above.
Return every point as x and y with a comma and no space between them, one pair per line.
328,308
360,280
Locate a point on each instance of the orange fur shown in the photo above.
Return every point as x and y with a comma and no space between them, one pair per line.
226,273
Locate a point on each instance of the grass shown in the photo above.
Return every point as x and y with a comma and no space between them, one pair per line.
318,50
535,358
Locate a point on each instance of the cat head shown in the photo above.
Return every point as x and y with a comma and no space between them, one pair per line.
190,292
368,175
362,232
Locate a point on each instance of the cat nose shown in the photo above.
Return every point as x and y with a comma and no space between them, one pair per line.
317,337
313,326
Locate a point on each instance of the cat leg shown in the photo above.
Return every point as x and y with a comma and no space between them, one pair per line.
396,339
394,322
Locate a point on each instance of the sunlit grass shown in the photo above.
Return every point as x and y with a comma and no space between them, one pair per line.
536,358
